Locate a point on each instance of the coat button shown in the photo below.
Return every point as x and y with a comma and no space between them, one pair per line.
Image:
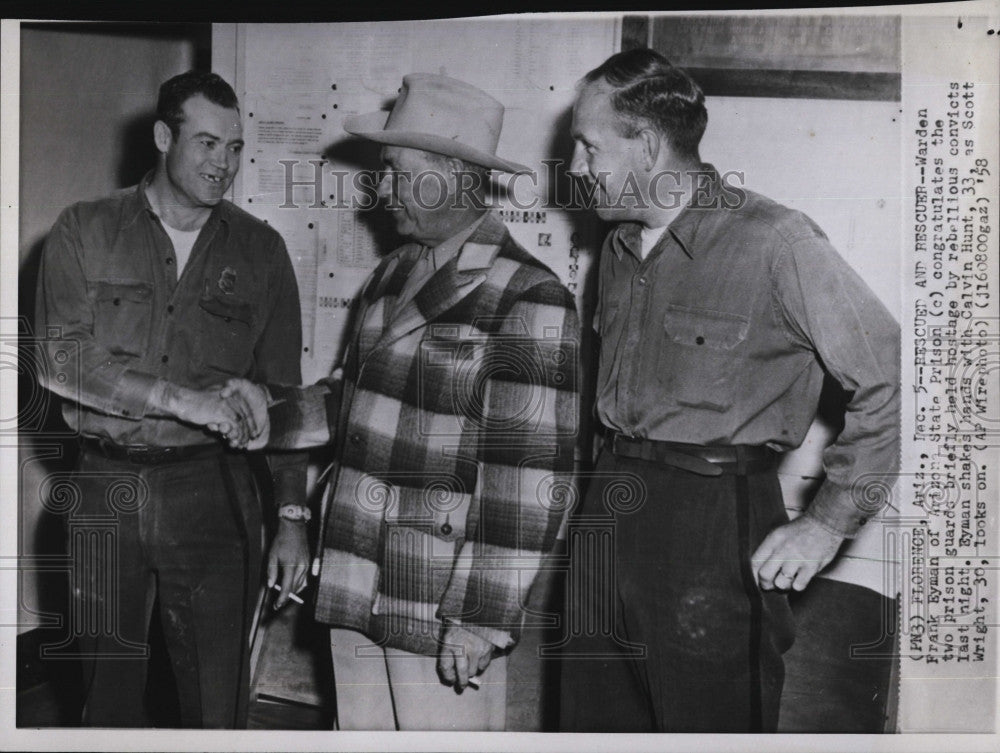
117,301
355,438
700,340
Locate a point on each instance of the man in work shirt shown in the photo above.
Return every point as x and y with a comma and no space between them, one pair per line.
151,298
719,313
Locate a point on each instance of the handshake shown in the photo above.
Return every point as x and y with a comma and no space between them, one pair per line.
236,410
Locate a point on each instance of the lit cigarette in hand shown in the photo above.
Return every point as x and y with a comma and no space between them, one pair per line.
475,682
293,596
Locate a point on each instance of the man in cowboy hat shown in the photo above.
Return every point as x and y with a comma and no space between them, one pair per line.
454,420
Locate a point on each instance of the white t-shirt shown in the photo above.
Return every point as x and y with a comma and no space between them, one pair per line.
650,235
183,241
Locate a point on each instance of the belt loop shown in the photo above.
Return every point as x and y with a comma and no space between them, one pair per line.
741,460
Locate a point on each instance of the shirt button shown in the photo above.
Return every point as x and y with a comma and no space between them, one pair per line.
170,309
355,438
164,358
700,340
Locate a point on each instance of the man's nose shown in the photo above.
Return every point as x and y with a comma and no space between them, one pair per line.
224,159
384,189
578,163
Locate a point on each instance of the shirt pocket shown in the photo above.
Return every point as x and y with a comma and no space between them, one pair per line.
122,315
226,335
700,357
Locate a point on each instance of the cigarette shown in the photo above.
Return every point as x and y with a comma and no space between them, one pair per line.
474,682
293,596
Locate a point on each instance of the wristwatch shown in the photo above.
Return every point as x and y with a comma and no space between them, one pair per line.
295,513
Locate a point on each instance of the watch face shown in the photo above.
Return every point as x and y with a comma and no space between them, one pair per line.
295,512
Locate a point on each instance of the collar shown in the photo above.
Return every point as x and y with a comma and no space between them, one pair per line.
483,243
444,251
137,203
684,228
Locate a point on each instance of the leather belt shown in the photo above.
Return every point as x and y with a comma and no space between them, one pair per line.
705,460
147,455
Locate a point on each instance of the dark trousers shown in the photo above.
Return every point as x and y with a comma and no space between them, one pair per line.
839,671
187,532
668,633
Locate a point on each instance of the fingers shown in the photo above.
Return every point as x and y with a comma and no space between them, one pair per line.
262,439
272,569
227,419
285,585
239,403
230,387
763,564
463,656
780,574
461,669
292,580
250,402
299,576
802,578
446,665
484,661
792,554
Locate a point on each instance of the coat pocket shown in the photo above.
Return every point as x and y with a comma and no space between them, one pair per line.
700,357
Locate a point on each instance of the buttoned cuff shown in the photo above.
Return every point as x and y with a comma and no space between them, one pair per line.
302,417
834,510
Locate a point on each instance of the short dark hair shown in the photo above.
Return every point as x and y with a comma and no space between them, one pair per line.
178,90
650,91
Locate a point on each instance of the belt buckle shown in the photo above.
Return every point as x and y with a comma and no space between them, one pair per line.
618,441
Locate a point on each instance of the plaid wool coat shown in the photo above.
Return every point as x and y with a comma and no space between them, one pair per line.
455,425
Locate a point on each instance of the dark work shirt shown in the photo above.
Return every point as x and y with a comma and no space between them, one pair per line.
721,335
116,318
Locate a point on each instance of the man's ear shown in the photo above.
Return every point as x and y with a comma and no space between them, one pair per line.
453,168
651,143
162,136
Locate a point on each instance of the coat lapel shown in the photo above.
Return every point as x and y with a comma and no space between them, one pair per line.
378,298
463,273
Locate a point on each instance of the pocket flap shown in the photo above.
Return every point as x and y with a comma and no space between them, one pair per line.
705,327
228,310
121,290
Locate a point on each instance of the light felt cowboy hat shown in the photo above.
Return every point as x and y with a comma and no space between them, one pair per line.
442,115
